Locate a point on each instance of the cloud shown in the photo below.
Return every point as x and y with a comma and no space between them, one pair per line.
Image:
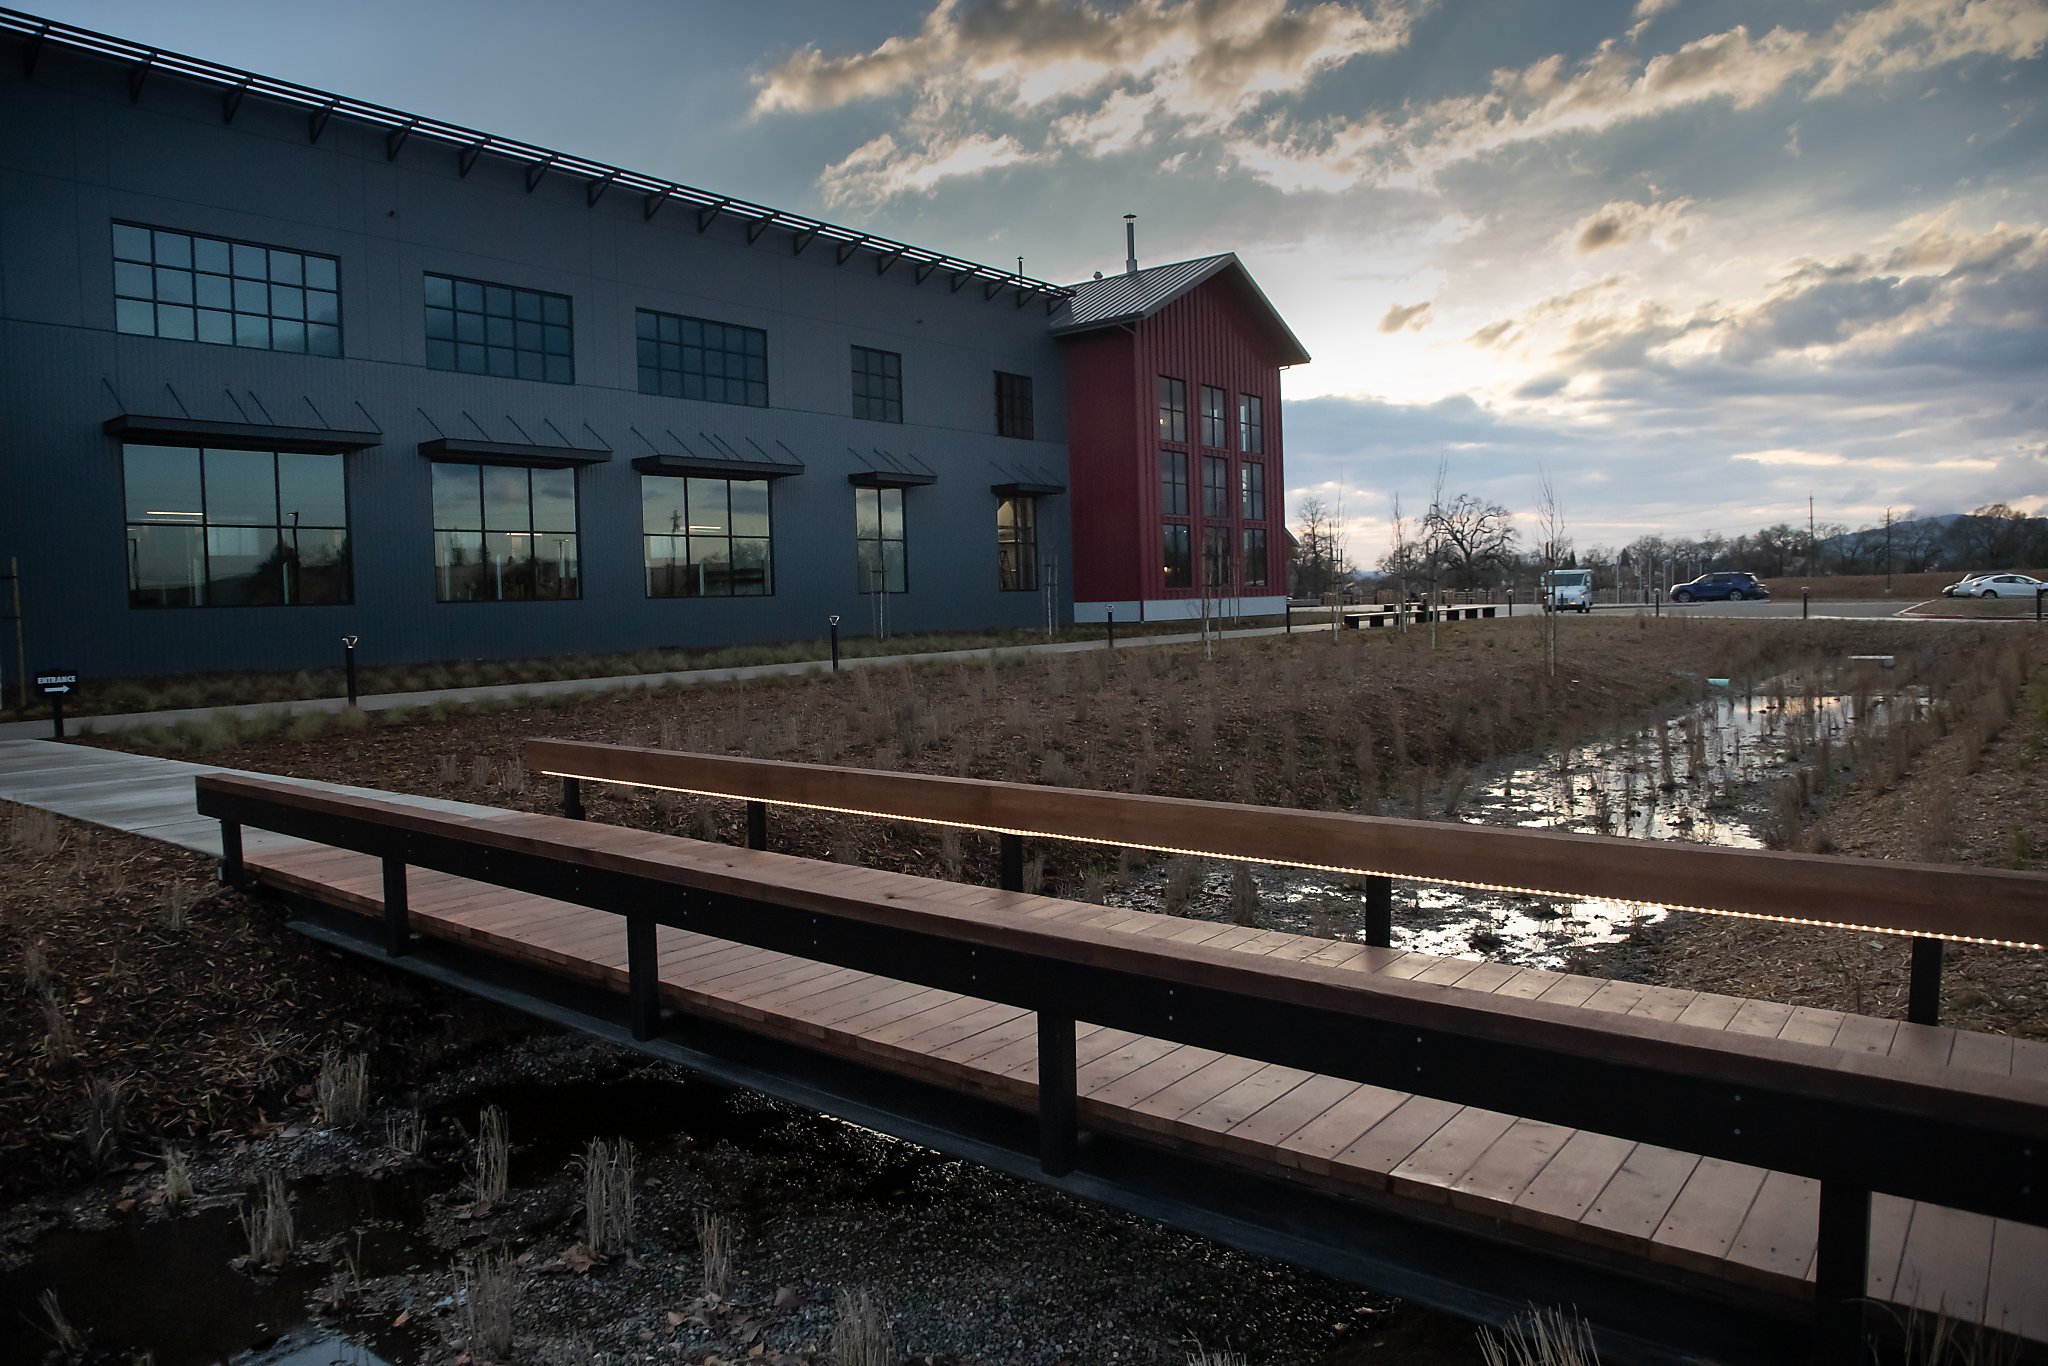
1410,316
1624,221
1546,99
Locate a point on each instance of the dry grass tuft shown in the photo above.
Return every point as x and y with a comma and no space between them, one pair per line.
1202,1356
343,1088
1543,1337
486,1290
267,1222
36,831
176,907
177,1187
860,1335
60,1041
35,969
491,1157
405,1132
715,1248
58,1329
103,1121
608,1197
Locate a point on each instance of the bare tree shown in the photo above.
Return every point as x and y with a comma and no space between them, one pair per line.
1319,566
1551,529
1473,538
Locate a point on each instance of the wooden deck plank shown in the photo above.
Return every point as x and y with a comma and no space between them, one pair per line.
2016,1298
1437,1164
1983,1053
1632,1206
1501,1173
1864,1034
1811,1026
1570,1182
1701,1224
1315,1145
1710,1010
1890,1218
1380,1149
1947,1266
1778,1235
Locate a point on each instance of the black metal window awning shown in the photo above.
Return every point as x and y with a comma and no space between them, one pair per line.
886,470
465,450
238,436
715,457
1023,489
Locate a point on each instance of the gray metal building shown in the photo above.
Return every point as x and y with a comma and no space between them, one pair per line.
278,366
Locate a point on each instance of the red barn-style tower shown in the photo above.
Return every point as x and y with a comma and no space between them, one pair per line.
1173,422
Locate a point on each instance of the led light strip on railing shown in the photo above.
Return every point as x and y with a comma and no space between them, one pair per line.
1465,883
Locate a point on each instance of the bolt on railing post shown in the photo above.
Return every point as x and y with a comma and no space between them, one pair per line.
1011,877
1379,912
757,825
643,981
1923,995
1056,1091
1841,1275
572,798
397,909
231,871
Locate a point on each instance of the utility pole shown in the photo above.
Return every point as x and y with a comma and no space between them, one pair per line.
1812,550
1887,550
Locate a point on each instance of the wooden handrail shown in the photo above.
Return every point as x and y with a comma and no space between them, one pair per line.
1973,905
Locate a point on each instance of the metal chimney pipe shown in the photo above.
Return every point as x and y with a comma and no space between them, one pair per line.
1130,244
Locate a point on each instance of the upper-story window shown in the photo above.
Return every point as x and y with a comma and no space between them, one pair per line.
215,528
1252,482
696,358
1215,486
486,329
193,288
1215,421
1173,483
1013,405
1251,423
1173,409
877,384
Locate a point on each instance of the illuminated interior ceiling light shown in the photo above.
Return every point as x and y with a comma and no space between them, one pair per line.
1419,878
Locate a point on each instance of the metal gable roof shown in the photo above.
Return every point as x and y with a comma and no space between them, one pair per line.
1129,298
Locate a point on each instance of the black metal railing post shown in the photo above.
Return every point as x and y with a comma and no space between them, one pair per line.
231,870
1011,877
757,825
397,909
572,798
1057,1099
643,976
1923,995
1841,1275
1289,611
1379,912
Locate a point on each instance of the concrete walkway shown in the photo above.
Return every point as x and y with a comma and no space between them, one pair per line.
570,687
151,797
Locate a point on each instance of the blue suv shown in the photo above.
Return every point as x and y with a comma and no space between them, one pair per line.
1723,585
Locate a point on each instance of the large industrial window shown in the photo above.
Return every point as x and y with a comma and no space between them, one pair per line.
504,533
1215,422
1173,483
193,288
486,329
1252,480
1017,544
1254,557
235,528
1013,405
695,358
706,538
1251,423
879,541
1215,486
877,385
1175,562
1215,556
1173,409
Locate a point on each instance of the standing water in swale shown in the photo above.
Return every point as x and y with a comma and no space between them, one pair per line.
1727,770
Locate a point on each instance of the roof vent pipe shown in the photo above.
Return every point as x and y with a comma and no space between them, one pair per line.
1130,244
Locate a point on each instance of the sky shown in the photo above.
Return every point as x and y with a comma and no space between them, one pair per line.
1695,261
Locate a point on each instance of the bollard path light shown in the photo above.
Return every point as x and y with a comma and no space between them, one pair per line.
348,660
833,622
1112,626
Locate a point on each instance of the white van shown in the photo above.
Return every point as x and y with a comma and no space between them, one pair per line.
1568,590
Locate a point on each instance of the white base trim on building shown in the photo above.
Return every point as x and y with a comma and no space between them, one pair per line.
1177,609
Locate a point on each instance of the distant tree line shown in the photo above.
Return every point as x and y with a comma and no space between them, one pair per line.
1464,542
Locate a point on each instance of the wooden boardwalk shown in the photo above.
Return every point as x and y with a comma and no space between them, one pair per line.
1702,1221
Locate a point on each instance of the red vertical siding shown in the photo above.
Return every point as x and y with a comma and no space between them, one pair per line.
1203,338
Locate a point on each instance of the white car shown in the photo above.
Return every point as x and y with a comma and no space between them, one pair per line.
2003,586
1963,587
